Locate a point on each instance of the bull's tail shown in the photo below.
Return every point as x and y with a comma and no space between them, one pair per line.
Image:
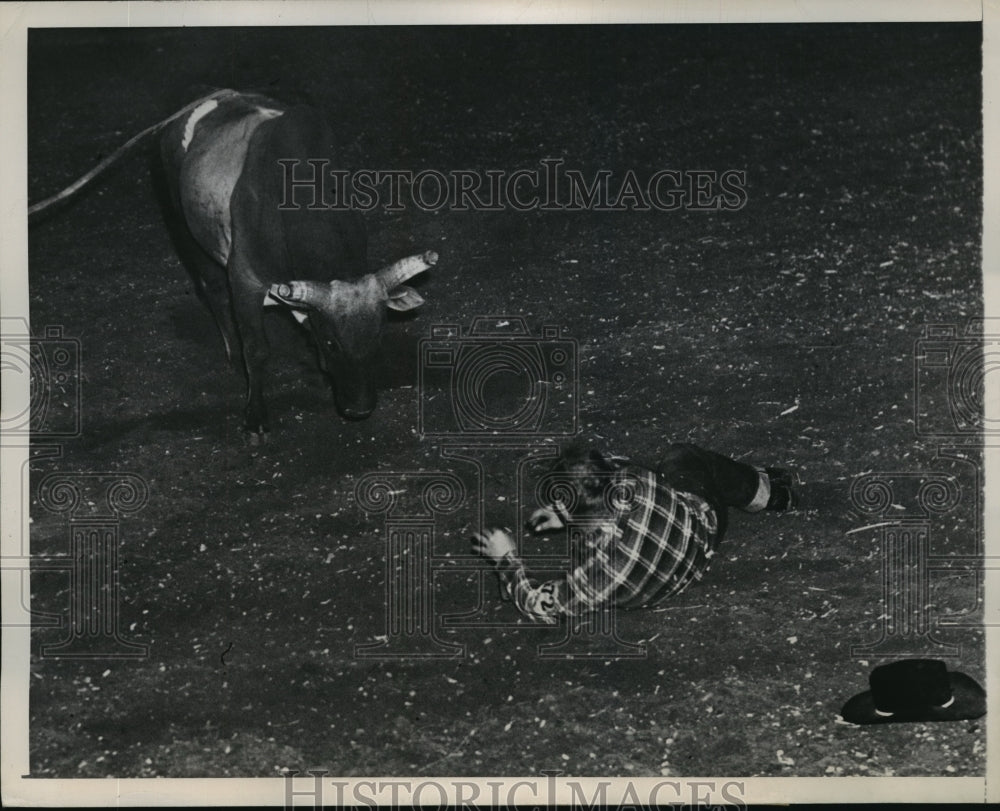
71,190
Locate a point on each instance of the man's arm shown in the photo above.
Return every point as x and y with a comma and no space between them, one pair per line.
540,602
549,518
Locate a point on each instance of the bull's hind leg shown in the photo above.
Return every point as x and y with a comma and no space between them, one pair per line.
208,276
212,286
248,307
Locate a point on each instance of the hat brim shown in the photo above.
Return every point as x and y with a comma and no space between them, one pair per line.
969,703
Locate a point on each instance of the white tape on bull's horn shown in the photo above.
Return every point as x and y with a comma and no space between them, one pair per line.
406,268
271,300
306,292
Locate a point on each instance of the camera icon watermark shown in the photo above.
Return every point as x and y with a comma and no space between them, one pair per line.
51,364
952,368
498,379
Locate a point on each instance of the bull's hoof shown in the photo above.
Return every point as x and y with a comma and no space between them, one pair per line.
256,438
355,415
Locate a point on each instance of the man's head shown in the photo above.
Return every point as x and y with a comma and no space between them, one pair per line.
587,471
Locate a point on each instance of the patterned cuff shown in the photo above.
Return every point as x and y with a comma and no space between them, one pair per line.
506,569
508,563
559,508
763,494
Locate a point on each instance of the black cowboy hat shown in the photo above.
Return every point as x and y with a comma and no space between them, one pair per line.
916,690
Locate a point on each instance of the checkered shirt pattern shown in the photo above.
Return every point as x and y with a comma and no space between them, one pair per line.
651,550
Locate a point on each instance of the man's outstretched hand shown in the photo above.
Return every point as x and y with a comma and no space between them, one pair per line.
545,519
494,543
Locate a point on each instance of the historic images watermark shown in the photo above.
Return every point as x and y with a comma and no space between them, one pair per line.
94,503
550,186
908,508
495,398
314,789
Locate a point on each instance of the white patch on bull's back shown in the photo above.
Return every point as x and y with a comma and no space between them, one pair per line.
212,166
199,112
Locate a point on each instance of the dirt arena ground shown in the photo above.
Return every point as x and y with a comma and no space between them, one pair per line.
783,332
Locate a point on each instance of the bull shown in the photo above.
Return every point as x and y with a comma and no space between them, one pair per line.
247,250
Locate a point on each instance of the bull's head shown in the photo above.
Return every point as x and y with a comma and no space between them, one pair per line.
346,318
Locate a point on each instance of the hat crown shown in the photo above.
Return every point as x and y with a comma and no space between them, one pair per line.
910,684
916,690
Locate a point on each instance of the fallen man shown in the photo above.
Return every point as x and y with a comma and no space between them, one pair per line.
647,534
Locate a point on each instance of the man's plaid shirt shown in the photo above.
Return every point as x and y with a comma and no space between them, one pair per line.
637,556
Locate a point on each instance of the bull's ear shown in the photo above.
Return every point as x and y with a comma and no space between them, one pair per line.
403,298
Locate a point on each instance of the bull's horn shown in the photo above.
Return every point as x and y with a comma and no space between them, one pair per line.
311,293
398,272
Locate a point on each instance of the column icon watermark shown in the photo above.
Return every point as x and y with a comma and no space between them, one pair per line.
593,633
94,504
410,503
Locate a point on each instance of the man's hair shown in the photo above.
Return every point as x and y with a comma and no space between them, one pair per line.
588,471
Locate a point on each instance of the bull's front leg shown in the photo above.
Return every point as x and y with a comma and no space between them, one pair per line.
248,298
